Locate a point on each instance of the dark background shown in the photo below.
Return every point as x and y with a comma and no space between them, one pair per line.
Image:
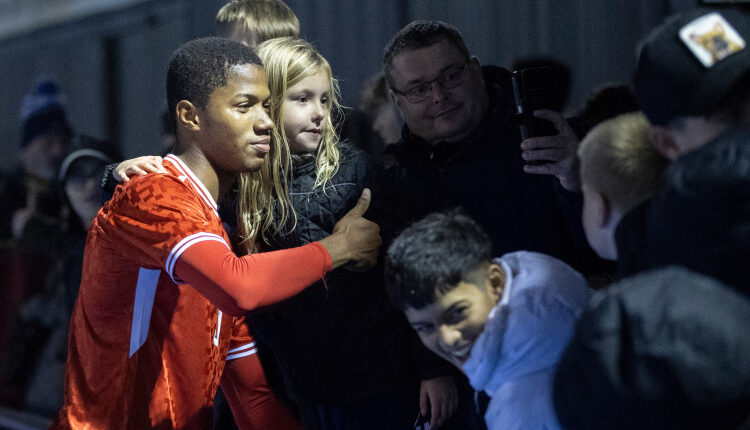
111,63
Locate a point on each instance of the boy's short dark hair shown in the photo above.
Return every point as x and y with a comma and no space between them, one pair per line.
432,256
420,34
200,66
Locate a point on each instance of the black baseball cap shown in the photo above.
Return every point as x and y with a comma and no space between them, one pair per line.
690,62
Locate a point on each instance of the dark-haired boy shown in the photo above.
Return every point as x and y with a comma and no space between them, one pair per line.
148,335
504,322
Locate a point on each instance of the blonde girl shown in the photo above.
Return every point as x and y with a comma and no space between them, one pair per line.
304,96
339,345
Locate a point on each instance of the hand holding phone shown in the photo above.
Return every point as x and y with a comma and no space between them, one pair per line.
535,88
556,155
422,422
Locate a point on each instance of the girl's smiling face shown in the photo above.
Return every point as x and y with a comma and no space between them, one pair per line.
305,112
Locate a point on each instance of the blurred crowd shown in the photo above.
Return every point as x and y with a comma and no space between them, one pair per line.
597,263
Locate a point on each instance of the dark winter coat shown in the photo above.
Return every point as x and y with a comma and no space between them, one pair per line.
700,218
630,238
664,349
339,340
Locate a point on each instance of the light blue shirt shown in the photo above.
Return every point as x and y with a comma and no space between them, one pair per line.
514,358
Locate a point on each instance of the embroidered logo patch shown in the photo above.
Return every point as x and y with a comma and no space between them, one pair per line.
711,38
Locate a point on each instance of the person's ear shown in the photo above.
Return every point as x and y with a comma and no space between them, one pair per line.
602,208
187,116
496,281
661,138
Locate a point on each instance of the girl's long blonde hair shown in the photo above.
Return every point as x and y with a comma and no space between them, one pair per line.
287,61
261,196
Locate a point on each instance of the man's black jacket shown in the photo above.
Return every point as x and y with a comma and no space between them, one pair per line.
483,174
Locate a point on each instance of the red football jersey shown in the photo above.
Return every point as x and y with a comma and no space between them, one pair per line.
146,350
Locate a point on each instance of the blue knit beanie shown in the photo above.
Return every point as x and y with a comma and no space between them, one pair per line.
42,111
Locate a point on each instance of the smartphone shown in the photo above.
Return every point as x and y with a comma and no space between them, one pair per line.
535,88
422,422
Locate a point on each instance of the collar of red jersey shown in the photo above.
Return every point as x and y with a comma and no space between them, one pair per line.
190,176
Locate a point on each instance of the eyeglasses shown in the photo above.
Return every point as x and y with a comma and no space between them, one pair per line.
449,79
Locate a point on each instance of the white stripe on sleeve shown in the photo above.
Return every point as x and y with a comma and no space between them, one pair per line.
184,244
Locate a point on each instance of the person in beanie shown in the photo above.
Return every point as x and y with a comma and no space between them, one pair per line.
30,220
50,246
665,349
49,310
693,78
29,192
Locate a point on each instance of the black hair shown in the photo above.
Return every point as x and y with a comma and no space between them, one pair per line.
200,66
701,217
430,257
608,102
420,34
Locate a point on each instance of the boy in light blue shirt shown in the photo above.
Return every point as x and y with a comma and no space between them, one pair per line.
504,322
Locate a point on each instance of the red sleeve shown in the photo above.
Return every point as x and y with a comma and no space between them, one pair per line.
250,398
236,283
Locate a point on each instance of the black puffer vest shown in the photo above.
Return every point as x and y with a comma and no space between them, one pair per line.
340,339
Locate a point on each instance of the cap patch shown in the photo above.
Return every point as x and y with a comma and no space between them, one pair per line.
711,38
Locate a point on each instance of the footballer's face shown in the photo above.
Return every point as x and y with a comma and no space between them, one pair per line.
235,124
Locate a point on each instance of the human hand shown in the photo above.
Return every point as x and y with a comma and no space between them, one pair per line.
354,238
22,216
557,154
439,397
19,220
138,166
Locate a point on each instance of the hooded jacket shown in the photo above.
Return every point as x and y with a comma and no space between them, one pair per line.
515,357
